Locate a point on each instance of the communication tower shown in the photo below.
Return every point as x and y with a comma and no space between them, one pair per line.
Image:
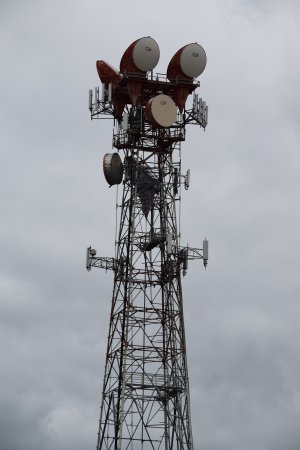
145,398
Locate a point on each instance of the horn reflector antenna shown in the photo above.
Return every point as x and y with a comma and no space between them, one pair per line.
187,63
141,56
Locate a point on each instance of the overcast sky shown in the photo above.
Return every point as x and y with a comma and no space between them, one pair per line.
242,314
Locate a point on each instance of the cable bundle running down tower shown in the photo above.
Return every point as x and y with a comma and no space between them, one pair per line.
145,398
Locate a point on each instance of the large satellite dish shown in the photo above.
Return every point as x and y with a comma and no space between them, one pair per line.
161,111
113,168
141,56
187,63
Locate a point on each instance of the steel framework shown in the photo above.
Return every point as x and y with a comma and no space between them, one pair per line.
145,397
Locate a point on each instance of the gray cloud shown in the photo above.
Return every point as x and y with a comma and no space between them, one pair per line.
242,314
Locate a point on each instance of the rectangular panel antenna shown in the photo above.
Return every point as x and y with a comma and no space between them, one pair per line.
187,179
206,115
205,249
125,121
90,99
109,92
169,243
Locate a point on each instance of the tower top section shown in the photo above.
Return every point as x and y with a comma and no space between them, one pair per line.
135,84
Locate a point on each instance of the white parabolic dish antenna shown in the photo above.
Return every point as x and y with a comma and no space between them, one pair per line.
193,60
113,168
145,54
161,111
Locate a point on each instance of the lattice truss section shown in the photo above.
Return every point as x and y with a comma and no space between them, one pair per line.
146,384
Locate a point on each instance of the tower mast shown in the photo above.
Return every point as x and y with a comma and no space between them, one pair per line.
145,397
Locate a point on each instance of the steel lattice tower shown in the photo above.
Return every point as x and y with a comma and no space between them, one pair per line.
145,398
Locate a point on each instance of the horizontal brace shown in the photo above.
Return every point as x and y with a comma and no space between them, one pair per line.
102,262
190,253
187,253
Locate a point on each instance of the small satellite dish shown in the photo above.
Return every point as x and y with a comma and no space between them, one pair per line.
141,56
187,63
113,168
161,111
